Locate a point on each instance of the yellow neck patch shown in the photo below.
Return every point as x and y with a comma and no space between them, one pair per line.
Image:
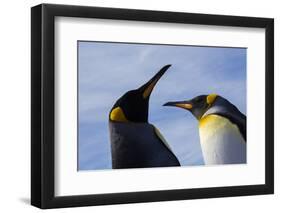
117,114
206,119
211,98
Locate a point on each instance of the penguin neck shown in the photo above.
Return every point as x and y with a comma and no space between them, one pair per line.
218,106
131,132
130,125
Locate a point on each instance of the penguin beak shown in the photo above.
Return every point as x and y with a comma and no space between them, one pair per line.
181,104
147,88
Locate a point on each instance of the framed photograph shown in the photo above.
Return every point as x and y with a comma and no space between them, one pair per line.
138,106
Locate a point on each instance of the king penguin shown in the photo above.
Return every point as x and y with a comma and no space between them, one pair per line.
135,143
222,128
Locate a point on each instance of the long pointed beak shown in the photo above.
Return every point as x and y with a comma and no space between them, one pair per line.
147,88
181,104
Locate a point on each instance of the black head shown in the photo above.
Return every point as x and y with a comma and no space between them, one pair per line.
133,105
197,106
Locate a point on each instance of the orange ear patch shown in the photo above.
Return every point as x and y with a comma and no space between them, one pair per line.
211,98
117,114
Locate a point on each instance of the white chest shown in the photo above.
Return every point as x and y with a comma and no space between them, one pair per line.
221,141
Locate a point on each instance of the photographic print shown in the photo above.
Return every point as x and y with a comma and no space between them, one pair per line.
160,105
127,96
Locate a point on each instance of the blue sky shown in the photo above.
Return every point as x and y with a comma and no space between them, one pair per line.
107,70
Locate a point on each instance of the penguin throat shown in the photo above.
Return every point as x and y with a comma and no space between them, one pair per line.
204,120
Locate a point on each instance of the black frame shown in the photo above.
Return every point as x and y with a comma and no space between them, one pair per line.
42,105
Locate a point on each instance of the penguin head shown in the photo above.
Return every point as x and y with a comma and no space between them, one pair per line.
197,106
133,105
